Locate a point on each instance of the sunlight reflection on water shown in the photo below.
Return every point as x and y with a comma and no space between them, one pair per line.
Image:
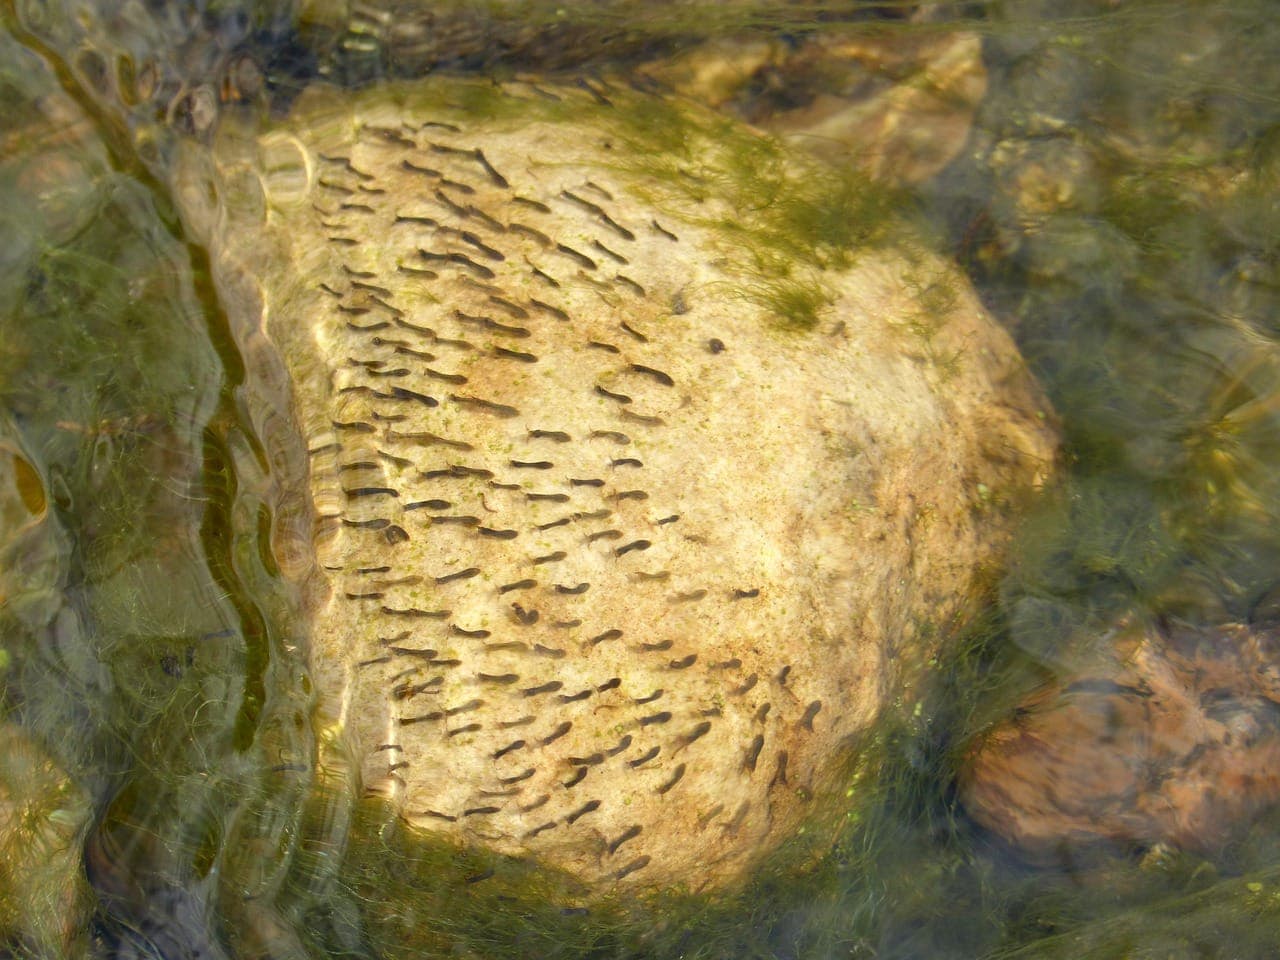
1113,196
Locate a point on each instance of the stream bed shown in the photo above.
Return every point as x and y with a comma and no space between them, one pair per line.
1107,175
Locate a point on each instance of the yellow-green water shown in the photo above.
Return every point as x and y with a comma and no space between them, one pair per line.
1116,204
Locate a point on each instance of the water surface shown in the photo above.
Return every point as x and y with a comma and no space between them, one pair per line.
1116,204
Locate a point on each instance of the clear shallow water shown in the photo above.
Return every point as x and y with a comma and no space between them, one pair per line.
1115,203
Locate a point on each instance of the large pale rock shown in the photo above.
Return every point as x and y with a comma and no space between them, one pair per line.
631,507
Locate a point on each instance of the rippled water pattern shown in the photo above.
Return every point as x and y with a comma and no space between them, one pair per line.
1106,173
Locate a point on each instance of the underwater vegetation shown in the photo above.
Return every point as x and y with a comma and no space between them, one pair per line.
1115,206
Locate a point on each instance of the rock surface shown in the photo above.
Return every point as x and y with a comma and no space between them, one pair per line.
1172,737
899,107
618,552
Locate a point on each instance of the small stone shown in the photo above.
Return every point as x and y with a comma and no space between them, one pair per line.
899,107
1170,737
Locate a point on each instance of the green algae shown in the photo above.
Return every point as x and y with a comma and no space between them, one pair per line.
783,218
792,218
1147,308
125,665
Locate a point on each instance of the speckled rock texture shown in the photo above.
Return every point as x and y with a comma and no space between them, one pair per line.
1171,737
618,555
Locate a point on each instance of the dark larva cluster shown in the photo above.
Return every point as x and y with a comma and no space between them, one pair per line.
506,655
595,534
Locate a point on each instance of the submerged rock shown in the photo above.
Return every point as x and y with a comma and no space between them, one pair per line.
899,107
642,471
1172,737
